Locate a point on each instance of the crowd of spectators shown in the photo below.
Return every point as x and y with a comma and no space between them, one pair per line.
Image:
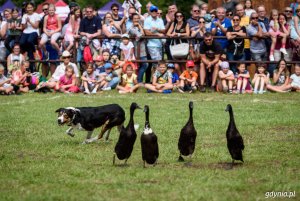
99,54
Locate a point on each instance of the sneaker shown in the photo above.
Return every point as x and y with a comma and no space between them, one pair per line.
261,92
106,88
167,91
230,91
94,91
180,89
225,89
213,89
86,92
194,88
283,50
243,91
272,58
202,88
255,92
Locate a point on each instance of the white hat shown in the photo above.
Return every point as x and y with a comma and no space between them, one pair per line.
66,54
125,36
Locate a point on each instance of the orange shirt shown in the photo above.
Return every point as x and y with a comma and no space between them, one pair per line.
189,74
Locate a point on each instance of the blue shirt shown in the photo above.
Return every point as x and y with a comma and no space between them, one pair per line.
175,77
154,23
90,26
226,24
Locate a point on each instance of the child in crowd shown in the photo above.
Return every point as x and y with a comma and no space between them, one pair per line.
188,78
108,80
106,56
129,82
22,78
99,64
275,32
261,79
226,76
127,48
67,82
14,59
243,77
175,76
90,80
161,80
5,86
14,29
295,79
52,28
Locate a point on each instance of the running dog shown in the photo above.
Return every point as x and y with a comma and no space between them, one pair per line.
90,118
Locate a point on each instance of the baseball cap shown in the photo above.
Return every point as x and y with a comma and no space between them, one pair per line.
224,65
98,58
107,65
170,65
190,64
153,8
73,4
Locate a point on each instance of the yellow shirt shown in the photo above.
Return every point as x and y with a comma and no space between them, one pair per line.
245,21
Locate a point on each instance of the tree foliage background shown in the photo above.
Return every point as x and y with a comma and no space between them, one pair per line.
183,5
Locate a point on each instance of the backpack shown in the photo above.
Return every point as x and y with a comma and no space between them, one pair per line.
87,54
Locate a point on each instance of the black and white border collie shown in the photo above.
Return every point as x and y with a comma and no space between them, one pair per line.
90,118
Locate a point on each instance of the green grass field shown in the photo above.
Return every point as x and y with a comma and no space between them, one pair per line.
38,161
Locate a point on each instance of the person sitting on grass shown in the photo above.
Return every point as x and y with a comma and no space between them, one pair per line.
294,84
5,87
108,80
21,78
67,82
99,64
281,77
226,76
90,80
261,79
161,80
243,77
129,82
188,78
175,77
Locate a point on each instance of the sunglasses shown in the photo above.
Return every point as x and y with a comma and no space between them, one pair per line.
45,9
66,57
207,40
179,16
196,11
159,13
154,11
88,11
236,20
288,11
115,9
254,18
201,22
229,14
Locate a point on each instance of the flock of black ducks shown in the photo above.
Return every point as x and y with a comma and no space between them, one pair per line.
186,142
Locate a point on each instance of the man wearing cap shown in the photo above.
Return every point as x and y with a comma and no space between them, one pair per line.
109,79
60,71
188,78
154,26
210,52
90,29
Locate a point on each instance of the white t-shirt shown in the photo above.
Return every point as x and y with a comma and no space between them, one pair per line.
33,18
296,80
2,25
60,71
126,49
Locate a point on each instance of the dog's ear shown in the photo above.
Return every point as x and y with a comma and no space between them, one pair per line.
59,110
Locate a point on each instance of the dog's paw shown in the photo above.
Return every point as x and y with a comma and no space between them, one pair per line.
87,141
